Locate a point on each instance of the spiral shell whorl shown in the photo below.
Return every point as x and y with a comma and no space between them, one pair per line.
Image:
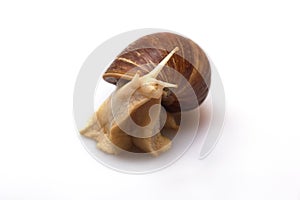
145,53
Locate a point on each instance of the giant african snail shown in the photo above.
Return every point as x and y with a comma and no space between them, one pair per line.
140,68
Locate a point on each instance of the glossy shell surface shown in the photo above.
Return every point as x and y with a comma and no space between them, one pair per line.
191,63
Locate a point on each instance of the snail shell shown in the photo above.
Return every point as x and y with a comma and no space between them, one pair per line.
190,61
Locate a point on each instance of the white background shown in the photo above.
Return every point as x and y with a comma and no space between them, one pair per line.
255,46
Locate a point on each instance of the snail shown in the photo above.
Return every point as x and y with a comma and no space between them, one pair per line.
159,69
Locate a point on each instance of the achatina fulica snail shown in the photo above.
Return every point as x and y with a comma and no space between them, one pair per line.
140,69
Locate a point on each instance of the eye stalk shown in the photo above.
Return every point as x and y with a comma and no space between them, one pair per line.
150,78
154,73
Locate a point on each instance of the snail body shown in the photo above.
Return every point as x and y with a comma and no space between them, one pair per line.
161,68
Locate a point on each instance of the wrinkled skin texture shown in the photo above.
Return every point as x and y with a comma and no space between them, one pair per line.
132,115
110,138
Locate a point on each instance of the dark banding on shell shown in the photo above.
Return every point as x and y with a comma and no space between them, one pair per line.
190,61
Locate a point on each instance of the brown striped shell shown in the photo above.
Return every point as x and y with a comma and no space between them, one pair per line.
190,61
